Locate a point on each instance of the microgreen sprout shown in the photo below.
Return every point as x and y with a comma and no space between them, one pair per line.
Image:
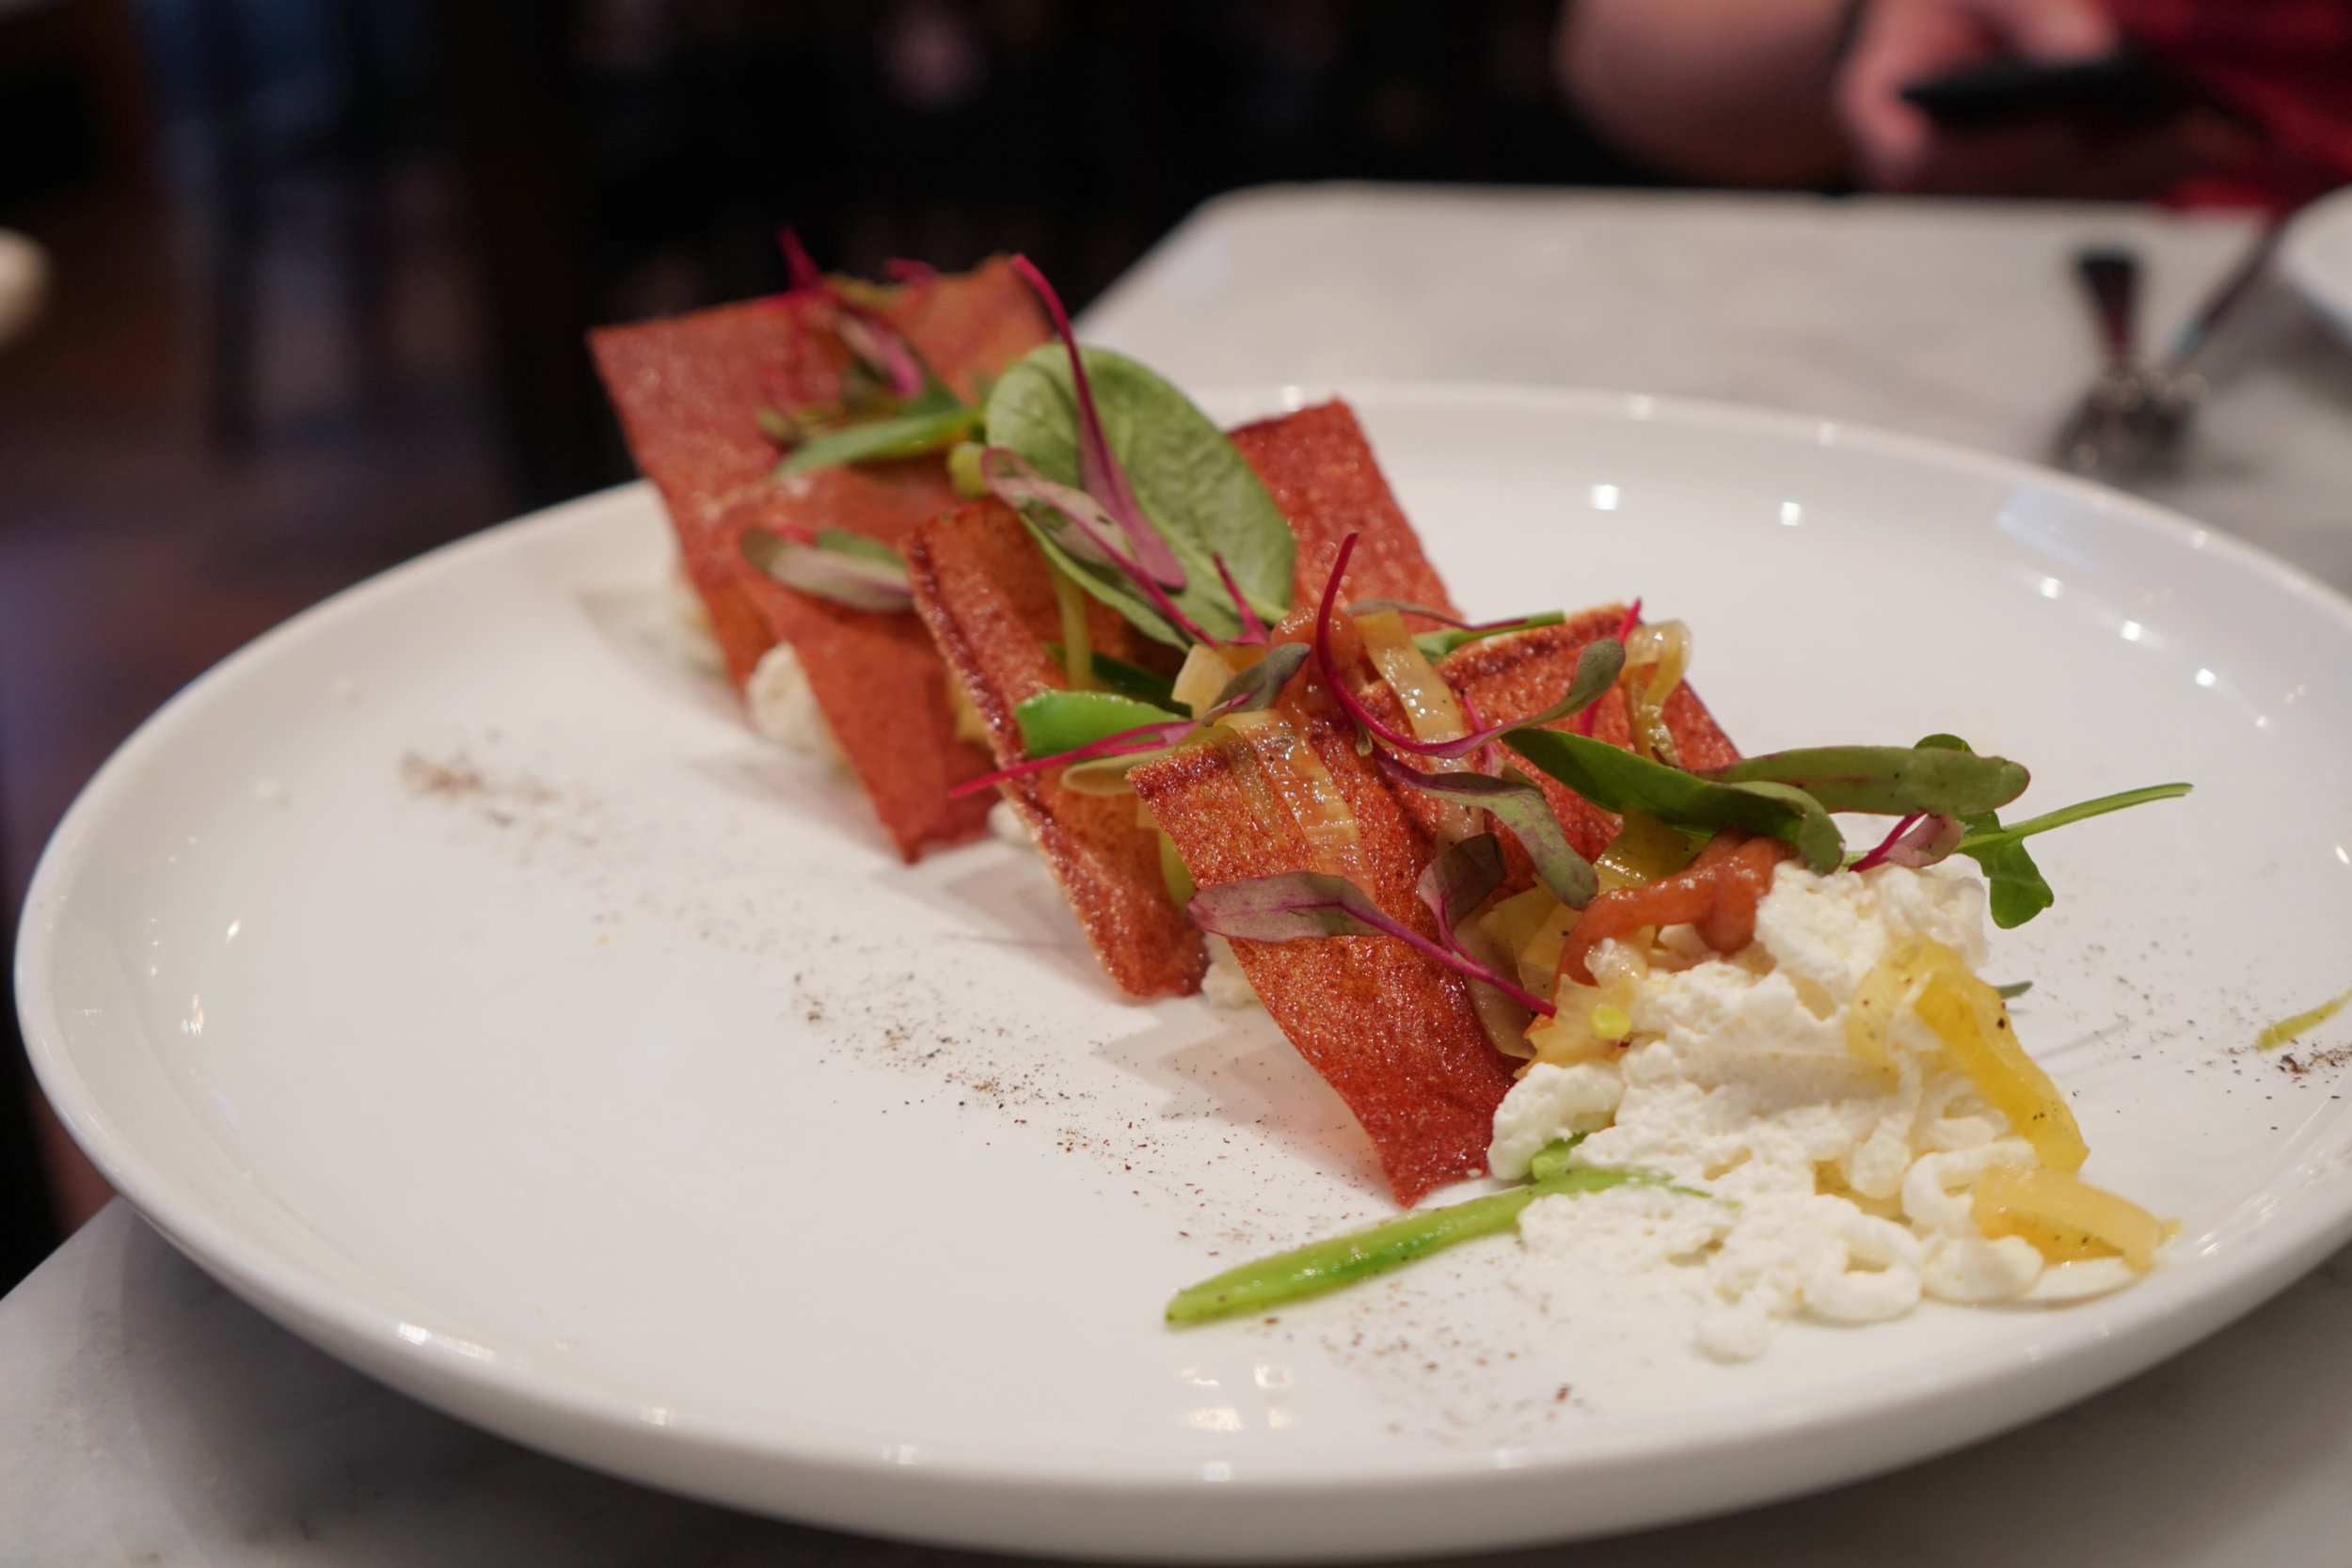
1252,629
1624,628
1293,905
1013,481
1597,668
1099,471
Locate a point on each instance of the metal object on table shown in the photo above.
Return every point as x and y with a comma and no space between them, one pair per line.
2134,416
2137,416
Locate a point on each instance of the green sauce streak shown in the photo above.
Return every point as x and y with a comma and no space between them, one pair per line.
2287,1029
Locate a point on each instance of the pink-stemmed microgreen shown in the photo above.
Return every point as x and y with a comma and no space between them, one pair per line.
1296,905
1454,884
1248,692
1459,633
1014,480
1624,628
1099,471
847,568
1134,742
1596,667
869,336
1252,629
1918,841
1519,803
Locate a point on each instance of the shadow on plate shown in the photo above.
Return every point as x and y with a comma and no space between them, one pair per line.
643,626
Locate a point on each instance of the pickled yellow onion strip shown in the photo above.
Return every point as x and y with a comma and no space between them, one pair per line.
1077,645
1305,787
1968,1016
1656,658
1430,707
1872,1007
1644,850
1203,677
2066,1218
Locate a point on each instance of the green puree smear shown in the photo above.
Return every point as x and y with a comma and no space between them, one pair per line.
2287,1029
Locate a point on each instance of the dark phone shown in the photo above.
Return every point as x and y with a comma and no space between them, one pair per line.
2122,88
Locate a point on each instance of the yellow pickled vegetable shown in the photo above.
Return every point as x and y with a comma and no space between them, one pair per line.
1539,954
1656,657
1590,1021
1874,1003
2066,1218
1076,645
1968,1016
1295,775
1530,926
969,725
1203,677
1430,705
1644,850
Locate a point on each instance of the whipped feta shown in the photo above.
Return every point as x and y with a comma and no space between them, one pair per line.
1226,984
687,624
1797,1178
783,709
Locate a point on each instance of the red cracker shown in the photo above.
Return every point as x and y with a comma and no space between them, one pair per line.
1395,1032
689,390
988,598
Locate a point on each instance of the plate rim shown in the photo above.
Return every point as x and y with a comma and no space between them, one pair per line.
527,1403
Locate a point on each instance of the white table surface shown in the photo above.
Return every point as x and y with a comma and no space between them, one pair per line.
148,1417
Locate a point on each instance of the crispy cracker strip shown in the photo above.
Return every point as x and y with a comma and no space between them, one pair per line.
1394,1032
1524,673
987,594
1321,472
689,390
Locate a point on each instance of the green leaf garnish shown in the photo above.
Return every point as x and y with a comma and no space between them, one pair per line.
1614,779
2016,889
1992,837
911,434
1435,645
847,568
1890,780
1204,499
1256,689
1120,675
1053,723
843,540
1518,804
2014,990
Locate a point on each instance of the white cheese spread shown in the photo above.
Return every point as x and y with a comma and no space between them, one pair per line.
782,708
1809,1184
1006,825
688,624
1226,984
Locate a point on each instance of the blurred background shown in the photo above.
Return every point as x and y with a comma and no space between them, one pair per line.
317,271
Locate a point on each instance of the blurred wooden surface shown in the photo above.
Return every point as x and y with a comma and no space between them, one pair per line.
133,554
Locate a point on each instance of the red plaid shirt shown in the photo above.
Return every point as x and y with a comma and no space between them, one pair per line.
2285,65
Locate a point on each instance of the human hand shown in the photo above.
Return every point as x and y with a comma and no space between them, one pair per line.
1896,147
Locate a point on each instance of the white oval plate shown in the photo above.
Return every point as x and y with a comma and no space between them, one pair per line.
2315,255
452,975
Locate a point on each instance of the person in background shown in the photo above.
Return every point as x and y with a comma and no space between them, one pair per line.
1807,93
